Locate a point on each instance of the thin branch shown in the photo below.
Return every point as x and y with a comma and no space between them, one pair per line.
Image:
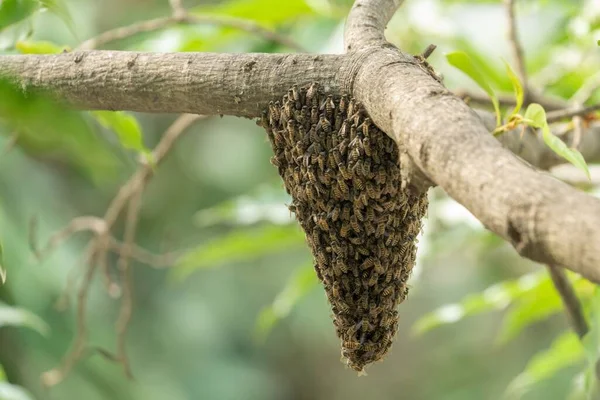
557,115
128,194
482,99
125,273
516,48
569,298
177,7
187,19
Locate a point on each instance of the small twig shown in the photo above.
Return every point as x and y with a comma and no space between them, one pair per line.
483,99
557,115
143,256
569,298
517,49
102,243
428,51
587,89
577,132
125,273
78,224
177,7
188,19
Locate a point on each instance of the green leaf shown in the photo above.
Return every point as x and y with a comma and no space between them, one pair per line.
461,60
2,374
9,391
39,47
48,128
267,12
591,344
125,126
240,245
535,115
58,8
565,351
537,304
15,316
518,89
495,297
13,11
2,270
298,286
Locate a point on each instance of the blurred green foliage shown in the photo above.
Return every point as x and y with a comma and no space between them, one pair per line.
244,271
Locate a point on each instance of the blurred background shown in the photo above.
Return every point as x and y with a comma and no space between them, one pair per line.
241,315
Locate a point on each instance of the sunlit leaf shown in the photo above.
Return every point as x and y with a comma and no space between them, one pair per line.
537,304
265,204
495,297
461,60
269,12
15,316
9,391
518,89
565,351
298,286
13,11
126,127
39,47
240,245
2,374
536,116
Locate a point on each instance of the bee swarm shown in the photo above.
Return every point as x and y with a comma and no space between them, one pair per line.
343,175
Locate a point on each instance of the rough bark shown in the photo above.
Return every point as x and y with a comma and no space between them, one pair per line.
198,83
442,139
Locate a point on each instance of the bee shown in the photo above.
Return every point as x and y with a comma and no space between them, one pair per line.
321,161
337,193
358,212
370,214
388,291
366,168
372,280
371,191
316,239
294,93
345,282
354,224
344,230
312,92
368,263
343,147
367,146
321,223
337,121
342,308
335,213
374,310
352,132
358,183
324,125
344,172
378,267
314,115
364,251
351,345
345,212
363,198
335,290
343,186
310,194
329,106
321,260
351,107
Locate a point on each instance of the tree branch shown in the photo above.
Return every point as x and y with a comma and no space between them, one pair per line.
545,219
438,134
196,83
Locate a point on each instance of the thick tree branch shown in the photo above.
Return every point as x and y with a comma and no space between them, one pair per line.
544,219
196,83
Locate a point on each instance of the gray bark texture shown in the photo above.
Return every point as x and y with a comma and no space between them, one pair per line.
442,140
